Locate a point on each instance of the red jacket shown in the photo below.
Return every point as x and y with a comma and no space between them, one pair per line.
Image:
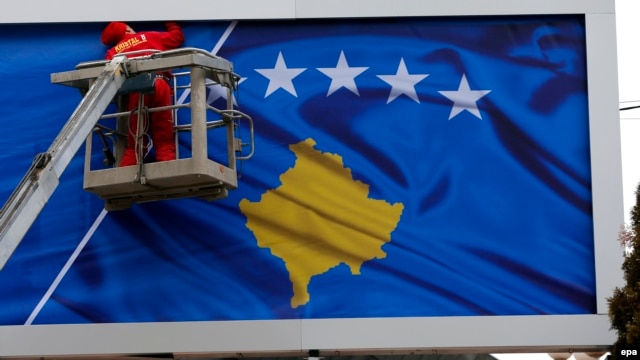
146,40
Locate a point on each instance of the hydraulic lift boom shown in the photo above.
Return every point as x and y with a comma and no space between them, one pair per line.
42,178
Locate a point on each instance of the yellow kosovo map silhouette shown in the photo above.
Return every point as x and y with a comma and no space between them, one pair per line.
319,218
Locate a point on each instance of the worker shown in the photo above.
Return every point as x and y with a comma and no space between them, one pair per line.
121,38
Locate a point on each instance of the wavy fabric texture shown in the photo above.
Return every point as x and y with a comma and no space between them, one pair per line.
477,126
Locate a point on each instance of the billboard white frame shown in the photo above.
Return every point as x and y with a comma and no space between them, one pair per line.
481,334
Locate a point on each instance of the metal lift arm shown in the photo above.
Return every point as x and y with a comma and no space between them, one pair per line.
32,193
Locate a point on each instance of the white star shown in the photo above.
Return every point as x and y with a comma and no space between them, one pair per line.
464,99
280,77
343,75
217,91
403,83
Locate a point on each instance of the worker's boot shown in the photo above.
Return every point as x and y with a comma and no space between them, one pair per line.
163,137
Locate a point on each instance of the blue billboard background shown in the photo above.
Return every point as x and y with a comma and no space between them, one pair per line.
458,147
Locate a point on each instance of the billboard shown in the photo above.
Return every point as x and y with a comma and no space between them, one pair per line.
423,180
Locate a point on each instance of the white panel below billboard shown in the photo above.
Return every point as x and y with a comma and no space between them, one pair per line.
331,337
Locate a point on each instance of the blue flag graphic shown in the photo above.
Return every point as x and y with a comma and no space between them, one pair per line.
465,140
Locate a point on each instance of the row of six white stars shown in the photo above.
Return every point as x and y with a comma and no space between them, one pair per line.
402,83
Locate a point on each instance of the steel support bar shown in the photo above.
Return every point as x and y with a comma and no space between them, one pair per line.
198,115
231,137
29,198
